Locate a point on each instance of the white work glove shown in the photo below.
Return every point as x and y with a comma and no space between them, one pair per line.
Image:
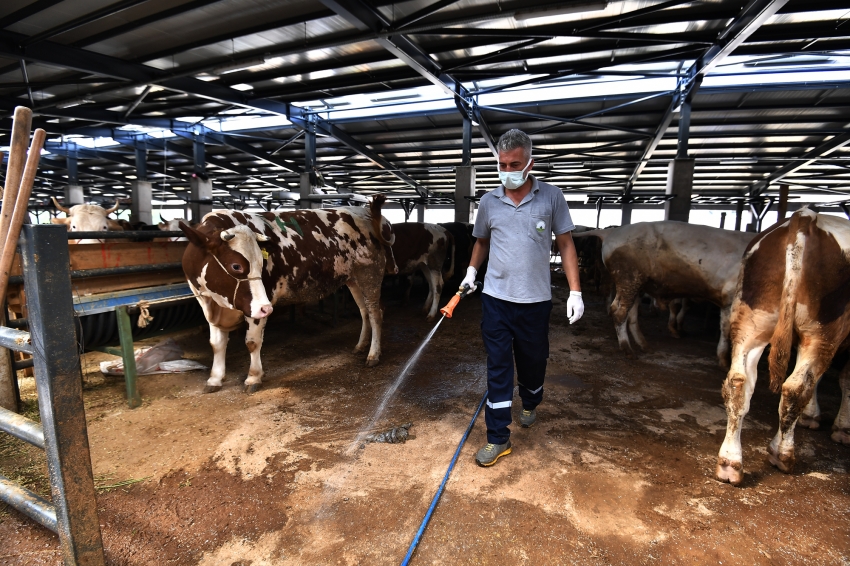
575,306
471,272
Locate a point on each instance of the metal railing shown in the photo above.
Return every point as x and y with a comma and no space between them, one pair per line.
58,377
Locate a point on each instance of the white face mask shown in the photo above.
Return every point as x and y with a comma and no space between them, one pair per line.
513,180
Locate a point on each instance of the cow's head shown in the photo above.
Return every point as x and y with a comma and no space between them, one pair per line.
87,218
231,268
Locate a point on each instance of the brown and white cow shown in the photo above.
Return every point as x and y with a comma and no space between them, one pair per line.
670,260
425,247
239,265
87,218
795,282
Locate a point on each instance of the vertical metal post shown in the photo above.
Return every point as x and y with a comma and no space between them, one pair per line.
783,203
44,252
71,163
627,205
199,155
125,335
684,129
141,164
598,210
466,153
739,213
722,220
308,176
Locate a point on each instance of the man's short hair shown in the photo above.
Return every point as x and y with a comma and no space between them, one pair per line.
513,139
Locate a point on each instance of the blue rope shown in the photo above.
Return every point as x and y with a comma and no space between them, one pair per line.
442,487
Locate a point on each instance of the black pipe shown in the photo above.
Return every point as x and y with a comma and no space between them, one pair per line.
127,234
87,273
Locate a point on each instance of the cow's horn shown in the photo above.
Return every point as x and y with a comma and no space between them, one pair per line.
227,237
114,208
60,207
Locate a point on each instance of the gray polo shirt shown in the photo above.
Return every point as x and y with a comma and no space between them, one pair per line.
521,240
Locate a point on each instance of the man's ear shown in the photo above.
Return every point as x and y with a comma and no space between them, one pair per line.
196,237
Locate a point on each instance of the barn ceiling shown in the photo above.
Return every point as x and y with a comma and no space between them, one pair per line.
387,86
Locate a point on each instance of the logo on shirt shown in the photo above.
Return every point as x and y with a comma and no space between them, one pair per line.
541,226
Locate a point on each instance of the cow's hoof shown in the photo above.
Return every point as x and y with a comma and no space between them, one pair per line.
809,422
784,462
371,363
732,472
358,350
212,388
675,334
431,318
841,436
251,388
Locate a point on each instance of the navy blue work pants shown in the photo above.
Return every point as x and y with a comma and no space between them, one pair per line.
513,332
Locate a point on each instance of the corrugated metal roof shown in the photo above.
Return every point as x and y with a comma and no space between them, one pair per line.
597,84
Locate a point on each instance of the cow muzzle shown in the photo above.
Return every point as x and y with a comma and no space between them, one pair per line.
262,312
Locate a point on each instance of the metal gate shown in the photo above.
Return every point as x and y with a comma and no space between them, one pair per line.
62,433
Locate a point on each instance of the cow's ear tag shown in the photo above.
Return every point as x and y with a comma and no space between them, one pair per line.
265,253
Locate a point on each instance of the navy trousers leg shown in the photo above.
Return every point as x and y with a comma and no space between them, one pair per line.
512,330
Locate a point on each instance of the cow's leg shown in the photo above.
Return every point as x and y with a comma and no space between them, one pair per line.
723,343
811,414
218,341
634,328
737,391
426,306
435,282
254,343
841,426
673,319
620,307
365,329
796,392
368,285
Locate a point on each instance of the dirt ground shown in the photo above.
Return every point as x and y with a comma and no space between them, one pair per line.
618,470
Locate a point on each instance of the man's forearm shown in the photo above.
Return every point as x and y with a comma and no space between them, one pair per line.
569,260
480,251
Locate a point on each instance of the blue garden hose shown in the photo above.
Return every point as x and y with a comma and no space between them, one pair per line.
442,487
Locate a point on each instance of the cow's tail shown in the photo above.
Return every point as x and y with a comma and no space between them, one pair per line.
451,248
799,230
384,232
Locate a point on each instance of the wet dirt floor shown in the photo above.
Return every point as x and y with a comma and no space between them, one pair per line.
618,469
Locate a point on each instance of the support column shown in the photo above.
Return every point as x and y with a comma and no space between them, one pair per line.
722,220
141,209
680,181
739,213
464,187
420,213
200,193
309,165
74,195
783,203
627,205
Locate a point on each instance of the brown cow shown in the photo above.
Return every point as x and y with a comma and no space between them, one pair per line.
795,281
286,258
424,247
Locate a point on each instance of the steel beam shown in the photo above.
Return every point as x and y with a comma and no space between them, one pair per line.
805,160
736,32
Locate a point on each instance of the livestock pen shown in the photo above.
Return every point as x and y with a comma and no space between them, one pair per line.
619,469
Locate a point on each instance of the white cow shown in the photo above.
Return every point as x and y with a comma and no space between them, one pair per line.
87,218
670,260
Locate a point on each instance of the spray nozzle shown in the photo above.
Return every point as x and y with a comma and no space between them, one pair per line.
448,310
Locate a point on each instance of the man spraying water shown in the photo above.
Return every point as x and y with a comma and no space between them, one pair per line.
514,228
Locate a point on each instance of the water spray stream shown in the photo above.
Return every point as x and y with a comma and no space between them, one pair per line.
391,391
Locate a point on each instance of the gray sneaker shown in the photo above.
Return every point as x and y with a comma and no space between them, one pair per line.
527,418
488,455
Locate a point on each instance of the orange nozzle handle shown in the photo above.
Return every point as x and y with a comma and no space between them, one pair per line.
450,307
